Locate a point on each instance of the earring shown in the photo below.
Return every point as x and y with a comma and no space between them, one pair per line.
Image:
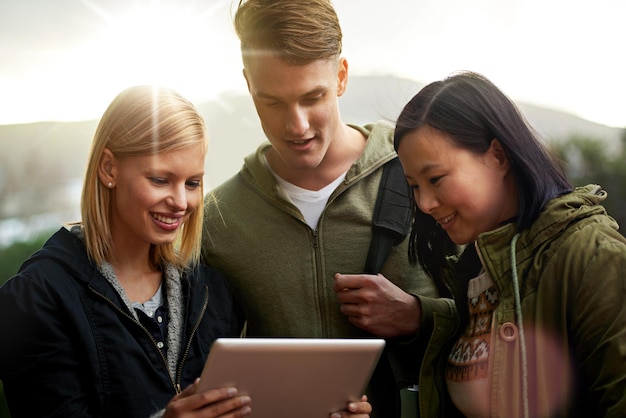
110,185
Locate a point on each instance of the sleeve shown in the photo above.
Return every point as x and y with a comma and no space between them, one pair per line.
39,365
406,354
598,311
223,297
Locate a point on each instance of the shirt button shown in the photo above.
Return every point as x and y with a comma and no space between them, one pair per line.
160,344
159,319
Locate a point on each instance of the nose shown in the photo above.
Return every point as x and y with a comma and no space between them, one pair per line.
426,200
177,198
297,121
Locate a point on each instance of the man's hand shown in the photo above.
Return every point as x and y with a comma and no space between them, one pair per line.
375,304
358,409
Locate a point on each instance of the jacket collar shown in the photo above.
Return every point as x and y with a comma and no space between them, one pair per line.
378,150
555,218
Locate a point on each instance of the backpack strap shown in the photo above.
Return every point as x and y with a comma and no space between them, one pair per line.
391,221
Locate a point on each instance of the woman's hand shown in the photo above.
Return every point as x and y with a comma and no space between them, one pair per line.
223,402
360,409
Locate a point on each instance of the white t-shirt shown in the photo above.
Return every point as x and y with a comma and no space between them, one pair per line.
311,203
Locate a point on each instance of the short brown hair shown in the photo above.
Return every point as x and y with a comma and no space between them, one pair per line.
300,32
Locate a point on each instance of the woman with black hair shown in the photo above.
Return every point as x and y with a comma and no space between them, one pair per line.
536,322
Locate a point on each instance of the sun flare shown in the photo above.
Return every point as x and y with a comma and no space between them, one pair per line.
157,44
178,45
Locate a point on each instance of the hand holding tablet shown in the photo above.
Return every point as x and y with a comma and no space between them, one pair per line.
312,377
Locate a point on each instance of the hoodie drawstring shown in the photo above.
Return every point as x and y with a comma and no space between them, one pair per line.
518,313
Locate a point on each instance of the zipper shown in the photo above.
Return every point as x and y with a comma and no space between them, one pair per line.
179,370
319,279
131,318
315,243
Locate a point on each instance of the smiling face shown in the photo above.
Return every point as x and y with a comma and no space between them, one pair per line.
466,193
298,108
154,195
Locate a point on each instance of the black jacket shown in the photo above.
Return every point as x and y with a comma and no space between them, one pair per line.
70,347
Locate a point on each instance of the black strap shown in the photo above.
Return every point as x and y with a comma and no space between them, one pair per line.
391,222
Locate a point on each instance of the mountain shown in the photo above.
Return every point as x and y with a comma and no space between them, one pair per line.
370,98
43,163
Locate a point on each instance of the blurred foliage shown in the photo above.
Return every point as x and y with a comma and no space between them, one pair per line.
588,161
12,257
4,409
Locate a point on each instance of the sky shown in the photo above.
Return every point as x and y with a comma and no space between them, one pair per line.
66,59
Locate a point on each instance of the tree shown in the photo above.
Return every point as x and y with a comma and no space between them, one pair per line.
12,257
4,409
588,161
10,260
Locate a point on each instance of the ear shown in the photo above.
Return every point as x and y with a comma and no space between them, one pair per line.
499,155
342,76
107,169
245,75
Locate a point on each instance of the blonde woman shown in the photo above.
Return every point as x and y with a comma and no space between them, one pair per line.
114,315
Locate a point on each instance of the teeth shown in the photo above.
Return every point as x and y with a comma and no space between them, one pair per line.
446,219
164,219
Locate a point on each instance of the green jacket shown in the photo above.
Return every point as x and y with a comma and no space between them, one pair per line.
570,267
282,271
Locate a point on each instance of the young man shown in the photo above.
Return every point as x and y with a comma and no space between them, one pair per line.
298,215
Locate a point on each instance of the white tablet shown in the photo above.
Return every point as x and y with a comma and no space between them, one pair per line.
288,377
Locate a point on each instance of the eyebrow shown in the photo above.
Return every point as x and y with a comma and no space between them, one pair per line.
428,167
423,171
314,91
165,172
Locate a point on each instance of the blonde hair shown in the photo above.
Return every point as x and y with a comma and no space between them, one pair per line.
140,121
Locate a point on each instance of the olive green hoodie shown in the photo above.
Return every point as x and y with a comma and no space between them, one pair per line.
281,270
558,346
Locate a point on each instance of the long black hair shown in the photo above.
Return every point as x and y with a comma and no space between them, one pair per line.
473,111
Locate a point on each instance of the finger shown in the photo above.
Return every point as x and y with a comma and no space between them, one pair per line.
360,407
351,310
347,281
348,296
357,409
189,390
214,395
200,400
238,406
